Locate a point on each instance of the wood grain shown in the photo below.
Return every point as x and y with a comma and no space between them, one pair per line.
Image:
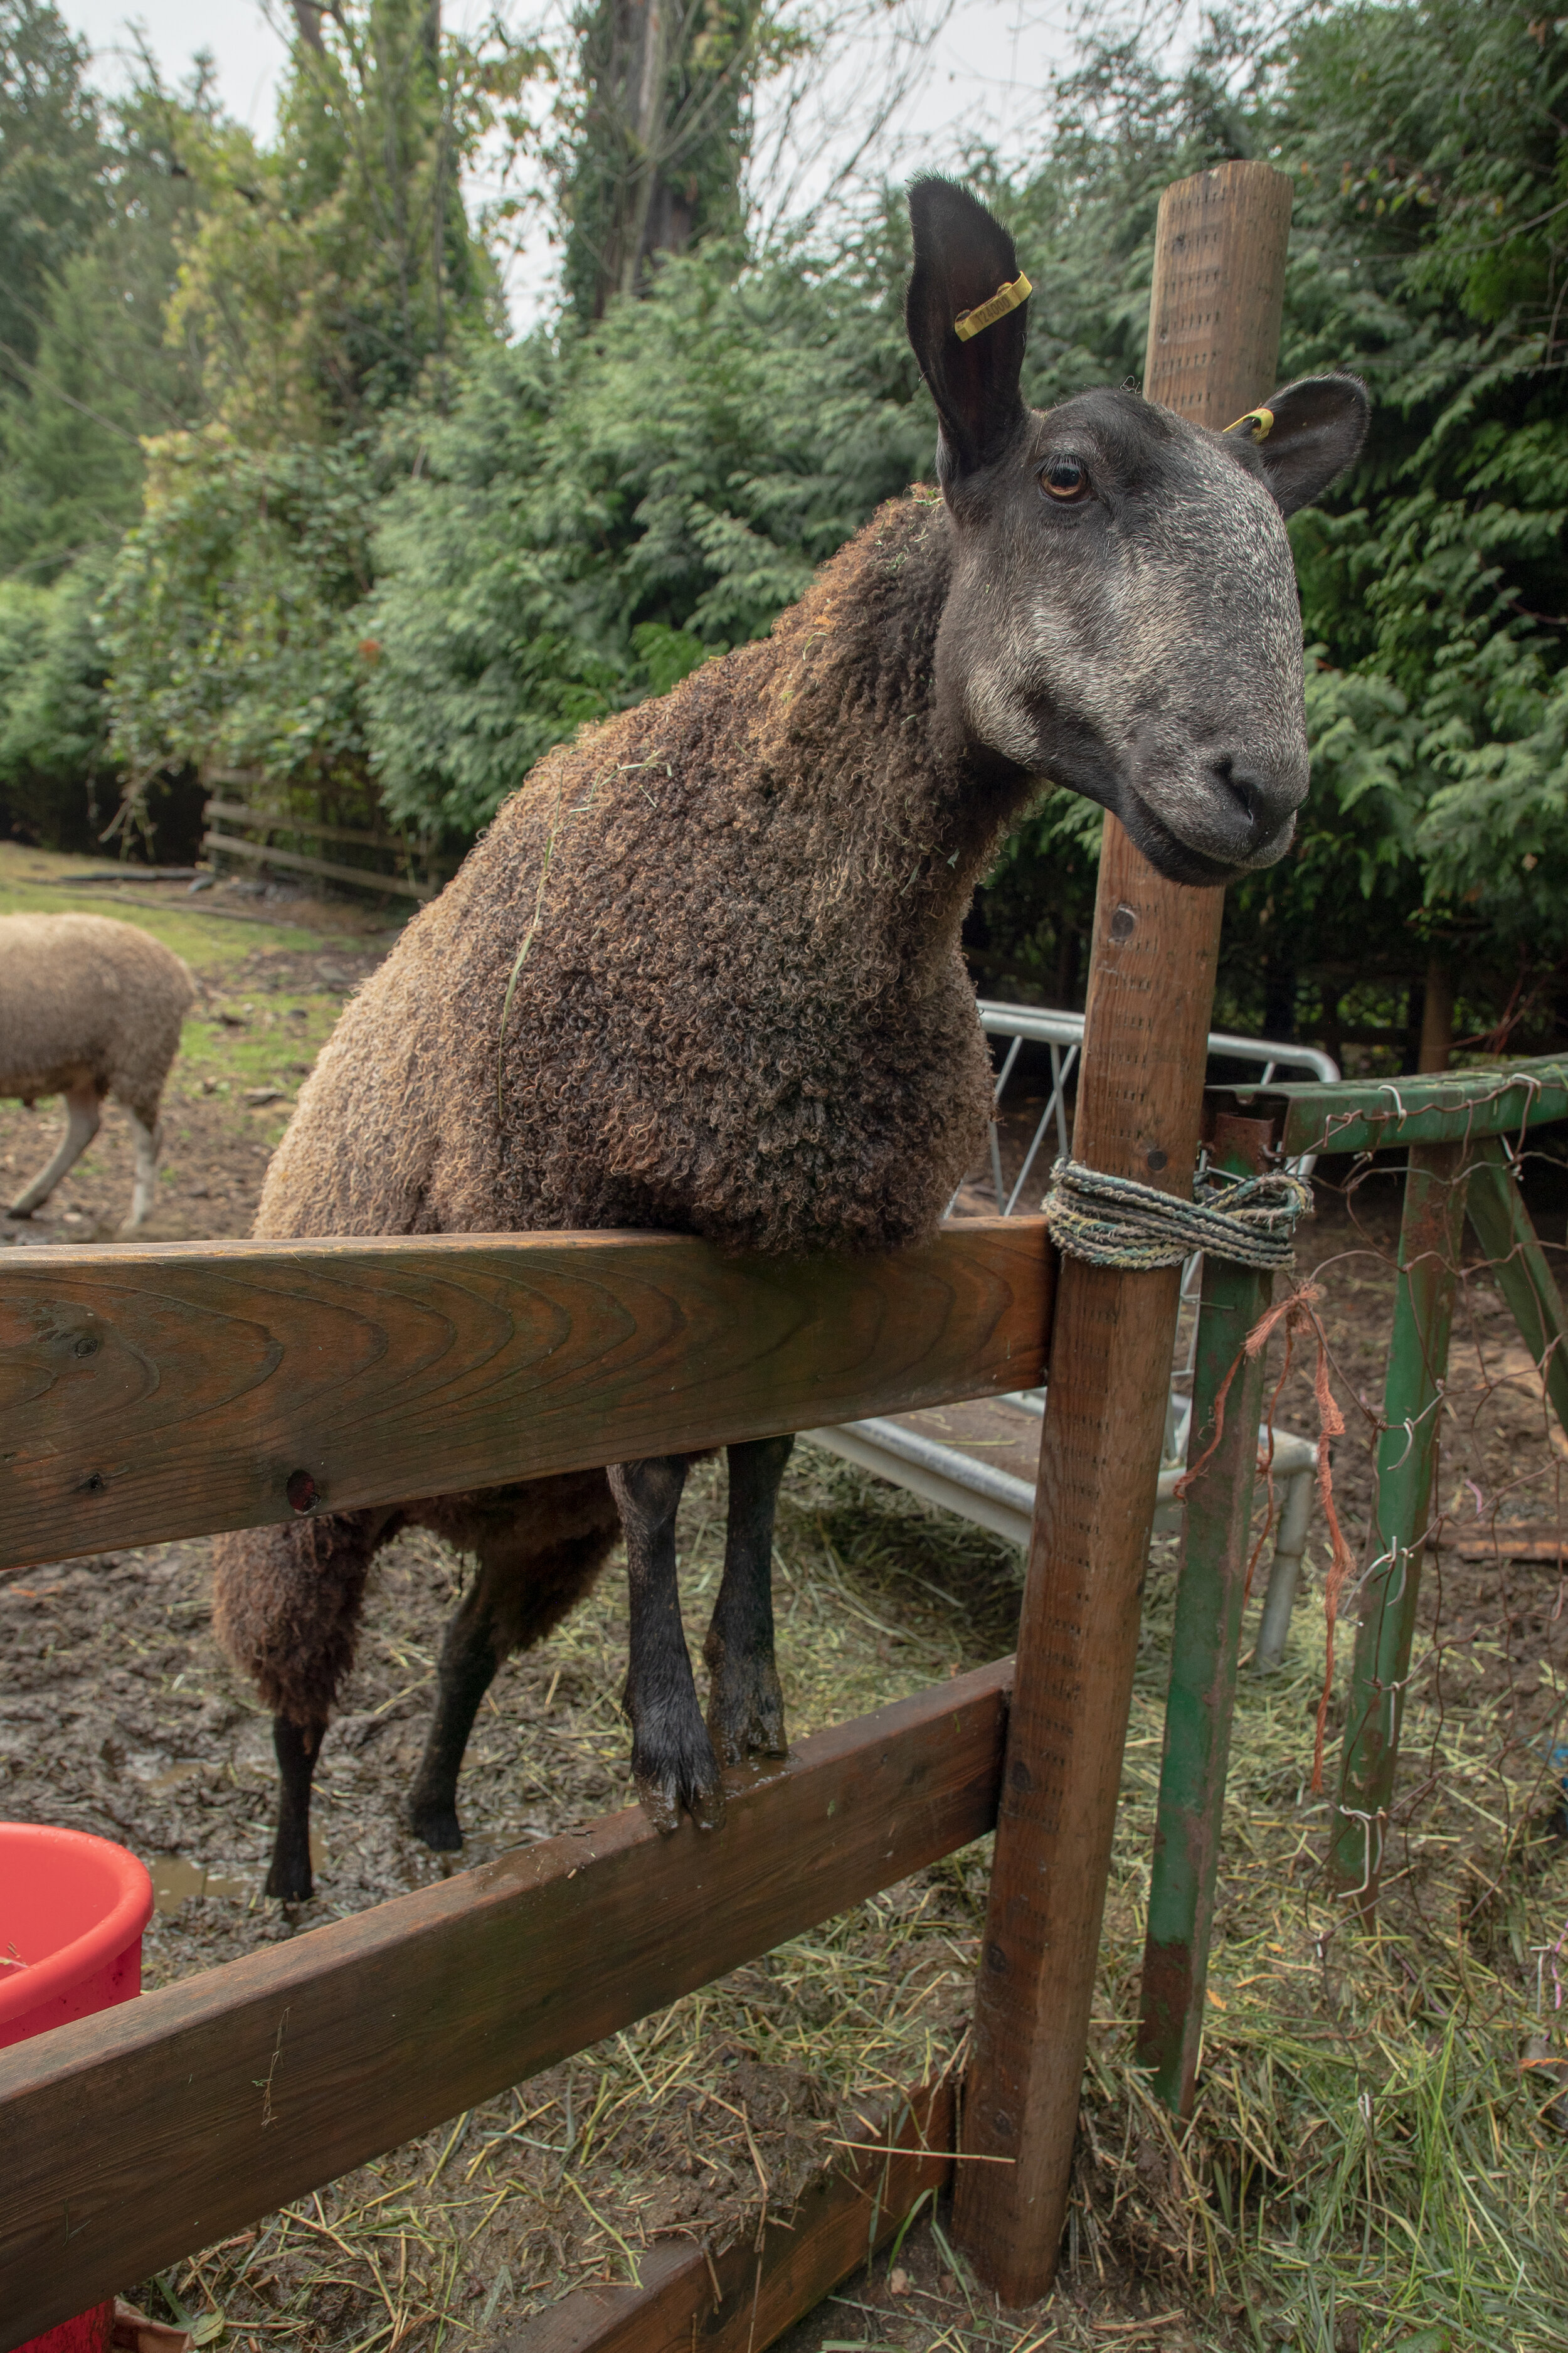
1150,990
171,1390
851,2210
1218,292
1144,1048
139,2135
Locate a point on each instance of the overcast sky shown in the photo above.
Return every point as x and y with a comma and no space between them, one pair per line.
989,71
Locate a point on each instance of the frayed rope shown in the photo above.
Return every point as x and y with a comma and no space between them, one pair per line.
1116,1221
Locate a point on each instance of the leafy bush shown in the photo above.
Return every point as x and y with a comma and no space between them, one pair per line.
598,514
56,781
230,618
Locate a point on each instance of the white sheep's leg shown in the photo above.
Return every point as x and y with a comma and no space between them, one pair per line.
148,1139
745,1705
82,1118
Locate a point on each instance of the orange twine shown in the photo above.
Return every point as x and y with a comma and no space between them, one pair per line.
1298,1312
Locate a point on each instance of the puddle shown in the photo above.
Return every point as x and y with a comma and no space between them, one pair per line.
173,1777
175,1877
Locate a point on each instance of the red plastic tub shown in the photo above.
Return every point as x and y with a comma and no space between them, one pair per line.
72,1909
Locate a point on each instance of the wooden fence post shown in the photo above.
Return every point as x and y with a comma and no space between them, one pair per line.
1213,335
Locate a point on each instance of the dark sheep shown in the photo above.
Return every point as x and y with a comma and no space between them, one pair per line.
703,971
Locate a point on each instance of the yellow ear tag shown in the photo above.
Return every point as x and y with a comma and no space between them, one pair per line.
970,323
1261,421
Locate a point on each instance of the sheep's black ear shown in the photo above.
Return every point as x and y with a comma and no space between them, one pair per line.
963,258
1318,425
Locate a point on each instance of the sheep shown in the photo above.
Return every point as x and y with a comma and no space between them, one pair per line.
90,1007
703,971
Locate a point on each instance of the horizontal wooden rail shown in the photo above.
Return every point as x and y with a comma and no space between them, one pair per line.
177,1389
741,2300
297,862
269,822
1376,1115
139,2135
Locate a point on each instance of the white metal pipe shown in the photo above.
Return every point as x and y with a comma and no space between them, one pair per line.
1286,1572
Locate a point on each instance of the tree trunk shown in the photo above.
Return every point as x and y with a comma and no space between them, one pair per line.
660,115
1437,1017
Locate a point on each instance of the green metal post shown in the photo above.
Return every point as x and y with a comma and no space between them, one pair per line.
1504,1231
1205,1649
1429,1241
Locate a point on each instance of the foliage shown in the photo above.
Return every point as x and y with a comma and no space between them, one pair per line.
105,372
652,146
1431,252
57,780
229,617
380,543
330,269
50,194
568,541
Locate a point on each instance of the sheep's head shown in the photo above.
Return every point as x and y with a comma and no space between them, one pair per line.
1123,617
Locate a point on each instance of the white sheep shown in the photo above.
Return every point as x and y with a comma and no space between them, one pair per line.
90,1007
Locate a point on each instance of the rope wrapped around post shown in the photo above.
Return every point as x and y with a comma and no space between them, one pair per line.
1116,1221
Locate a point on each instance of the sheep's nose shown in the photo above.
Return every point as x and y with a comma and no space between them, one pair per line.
1256,803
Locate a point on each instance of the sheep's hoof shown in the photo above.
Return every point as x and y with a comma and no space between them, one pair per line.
745,1712
290,1881
438,1827
675,1769
662,1798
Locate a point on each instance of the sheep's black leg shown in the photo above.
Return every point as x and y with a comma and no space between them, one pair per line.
469,1657
296,1745
745,1705
672,1756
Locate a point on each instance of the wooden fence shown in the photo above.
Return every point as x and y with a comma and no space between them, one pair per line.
237,829
174,1389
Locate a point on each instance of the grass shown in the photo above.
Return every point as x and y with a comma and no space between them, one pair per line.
39,882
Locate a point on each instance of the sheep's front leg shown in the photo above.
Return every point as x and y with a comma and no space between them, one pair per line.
672,1756
82,1118
745,1705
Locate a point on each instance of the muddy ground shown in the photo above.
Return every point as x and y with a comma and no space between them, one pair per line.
118,1715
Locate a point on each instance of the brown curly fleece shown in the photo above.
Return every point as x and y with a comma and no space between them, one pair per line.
740,1012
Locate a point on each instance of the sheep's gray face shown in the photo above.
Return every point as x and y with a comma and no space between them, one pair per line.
1123,617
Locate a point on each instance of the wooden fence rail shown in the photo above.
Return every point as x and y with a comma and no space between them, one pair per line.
136,2136
179,1389
417,873
1447,1107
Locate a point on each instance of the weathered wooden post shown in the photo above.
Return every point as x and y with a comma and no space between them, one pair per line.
1213,333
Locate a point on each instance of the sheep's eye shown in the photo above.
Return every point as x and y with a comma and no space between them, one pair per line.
1065,479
